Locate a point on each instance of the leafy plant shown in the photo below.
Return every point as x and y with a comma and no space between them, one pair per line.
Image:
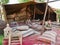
22,1
25,0
4,1
41,0
1,39
58,11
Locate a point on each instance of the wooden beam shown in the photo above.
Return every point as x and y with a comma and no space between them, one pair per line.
39,11
48,13
34,12
26,13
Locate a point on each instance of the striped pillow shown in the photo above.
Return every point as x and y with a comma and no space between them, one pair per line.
49,36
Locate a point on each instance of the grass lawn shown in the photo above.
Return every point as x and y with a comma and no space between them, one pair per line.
1,39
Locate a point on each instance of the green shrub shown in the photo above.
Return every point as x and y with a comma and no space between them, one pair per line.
1,39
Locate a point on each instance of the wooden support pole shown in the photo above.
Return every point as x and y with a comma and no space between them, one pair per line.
26,13
57,19
34,13
48,13
3,12
44,17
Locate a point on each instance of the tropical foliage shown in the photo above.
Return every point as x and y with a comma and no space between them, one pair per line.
42,0
22,1
4,1
1,39
58,11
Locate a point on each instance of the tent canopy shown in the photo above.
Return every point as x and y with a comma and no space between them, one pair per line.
33,8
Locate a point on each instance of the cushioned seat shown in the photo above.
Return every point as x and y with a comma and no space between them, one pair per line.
48,36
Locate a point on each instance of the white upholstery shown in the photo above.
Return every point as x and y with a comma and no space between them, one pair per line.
24,27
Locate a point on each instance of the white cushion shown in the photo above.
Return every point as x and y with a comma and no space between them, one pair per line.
23,27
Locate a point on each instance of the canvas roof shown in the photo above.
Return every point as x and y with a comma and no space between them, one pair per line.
39,8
